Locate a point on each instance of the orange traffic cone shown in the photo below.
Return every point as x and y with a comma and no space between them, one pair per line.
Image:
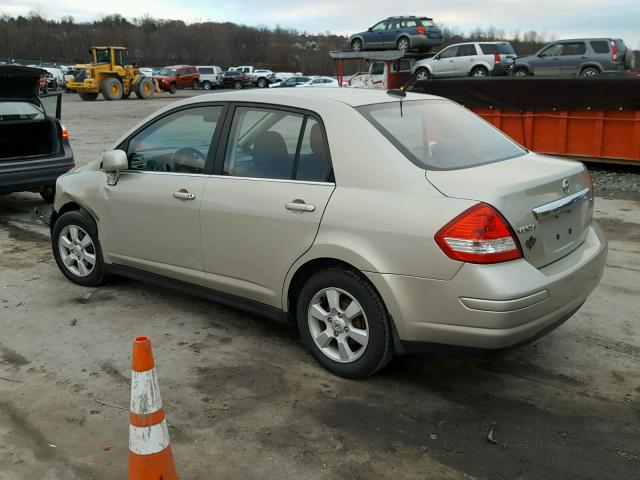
150,456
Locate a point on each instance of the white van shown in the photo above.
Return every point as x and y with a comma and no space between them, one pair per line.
210,76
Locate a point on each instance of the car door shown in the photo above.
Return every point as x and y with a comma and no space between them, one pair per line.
391,33
465,57
375,37
376,77
572,57
547,63
262,207
443,64
153,217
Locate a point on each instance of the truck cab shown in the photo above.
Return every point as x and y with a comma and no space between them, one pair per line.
383,74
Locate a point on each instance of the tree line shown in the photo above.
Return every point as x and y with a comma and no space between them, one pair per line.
156,42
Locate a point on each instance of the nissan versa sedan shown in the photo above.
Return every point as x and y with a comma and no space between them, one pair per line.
376,224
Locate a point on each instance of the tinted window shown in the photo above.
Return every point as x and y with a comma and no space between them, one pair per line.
440,135
12,111
380,26
313,164
552,51
179,142
574,48
205,71
409,23
449,52
493,48
466,51
427,22
600,46
377,68
263,143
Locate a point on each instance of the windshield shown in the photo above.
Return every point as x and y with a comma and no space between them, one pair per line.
13,111
440,135
168,72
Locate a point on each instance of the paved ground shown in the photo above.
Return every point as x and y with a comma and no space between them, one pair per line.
245,400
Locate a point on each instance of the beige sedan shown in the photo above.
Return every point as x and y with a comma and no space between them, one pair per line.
377,227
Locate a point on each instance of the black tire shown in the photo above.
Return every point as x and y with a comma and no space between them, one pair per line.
238,85
79,218
403,44
423,74
379,349
48,193
590,72
144,89
111,89
195,85
262,82
521,72
89,97
356,45
206,85
479,72
173,88
630,59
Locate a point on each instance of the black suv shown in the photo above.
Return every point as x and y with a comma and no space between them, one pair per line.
34,145
235,79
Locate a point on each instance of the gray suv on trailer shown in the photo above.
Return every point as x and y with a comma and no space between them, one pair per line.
587,57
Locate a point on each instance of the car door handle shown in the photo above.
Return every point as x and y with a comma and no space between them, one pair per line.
184,195
300,206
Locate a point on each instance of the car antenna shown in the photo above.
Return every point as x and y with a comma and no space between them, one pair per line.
398,93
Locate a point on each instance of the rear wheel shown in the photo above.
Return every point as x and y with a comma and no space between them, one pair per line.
423,74
356,45
237,85
479,72
206,85
144,89
590,72
194,85
262,82
403,44
521,72
344,324
76,248
89,97
112,89
173,88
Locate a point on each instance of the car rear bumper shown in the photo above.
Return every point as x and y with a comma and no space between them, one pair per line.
421,41
26,175
493,306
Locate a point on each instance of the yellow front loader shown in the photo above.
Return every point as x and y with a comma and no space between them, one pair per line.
111,74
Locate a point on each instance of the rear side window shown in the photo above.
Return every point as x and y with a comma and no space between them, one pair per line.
600,46
427,22
574,48
440,135
493,48
466,50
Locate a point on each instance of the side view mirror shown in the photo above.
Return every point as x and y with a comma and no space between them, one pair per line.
370,29
114,161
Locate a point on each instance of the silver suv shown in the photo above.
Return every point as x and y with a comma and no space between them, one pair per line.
475,59
585,57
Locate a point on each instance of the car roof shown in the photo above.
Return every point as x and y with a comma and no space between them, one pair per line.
354,97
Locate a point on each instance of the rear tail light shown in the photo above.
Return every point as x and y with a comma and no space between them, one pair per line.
64,133
479,235
496,58
421,30
614,51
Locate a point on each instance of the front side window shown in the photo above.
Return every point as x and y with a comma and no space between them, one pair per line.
440,135
377,68
552,51
379,27
179,142
266,143
449,52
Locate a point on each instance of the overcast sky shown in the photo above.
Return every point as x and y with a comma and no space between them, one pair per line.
561,18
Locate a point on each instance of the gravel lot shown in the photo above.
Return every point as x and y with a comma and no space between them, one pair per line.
246,401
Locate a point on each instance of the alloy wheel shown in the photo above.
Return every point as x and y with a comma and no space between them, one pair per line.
338,325
77,251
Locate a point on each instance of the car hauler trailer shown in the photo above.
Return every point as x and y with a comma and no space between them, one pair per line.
596,119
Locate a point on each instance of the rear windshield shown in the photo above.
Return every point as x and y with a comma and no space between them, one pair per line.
440,135
427,22
205,70
15,111
493,48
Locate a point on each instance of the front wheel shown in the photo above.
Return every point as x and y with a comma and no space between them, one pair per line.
262,82
76,248
173,88
356,45
237,85
423,74
521,72
194,85
344,323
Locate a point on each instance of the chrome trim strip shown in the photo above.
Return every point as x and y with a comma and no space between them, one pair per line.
150,172
561,206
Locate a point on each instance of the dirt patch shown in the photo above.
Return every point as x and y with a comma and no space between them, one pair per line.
620,230
12,357
23,234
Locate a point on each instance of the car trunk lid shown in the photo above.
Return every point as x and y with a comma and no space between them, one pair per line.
20,83
547,201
